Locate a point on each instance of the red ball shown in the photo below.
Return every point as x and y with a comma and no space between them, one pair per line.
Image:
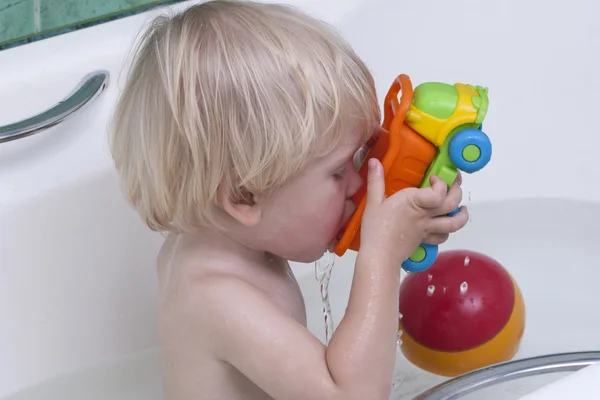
463,300
465,312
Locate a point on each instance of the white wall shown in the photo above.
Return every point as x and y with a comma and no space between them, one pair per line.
88,295
540,59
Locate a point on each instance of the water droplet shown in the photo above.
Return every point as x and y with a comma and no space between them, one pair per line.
470,213
445,288
399,316
402,236
464,287
429,277
430,290
467,261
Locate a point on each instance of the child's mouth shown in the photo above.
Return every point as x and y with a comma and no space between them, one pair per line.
342,230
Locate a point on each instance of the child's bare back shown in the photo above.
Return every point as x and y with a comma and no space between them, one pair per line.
187,265
237,133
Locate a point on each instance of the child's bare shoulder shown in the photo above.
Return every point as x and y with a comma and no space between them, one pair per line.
202,273
203,294
191,269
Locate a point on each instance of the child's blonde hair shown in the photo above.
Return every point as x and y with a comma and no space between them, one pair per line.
241,94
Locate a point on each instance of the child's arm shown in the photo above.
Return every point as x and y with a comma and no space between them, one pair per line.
287,361
283,358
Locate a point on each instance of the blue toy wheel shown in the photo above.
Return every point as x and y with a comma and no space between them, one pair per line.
453,213
423,258
470,150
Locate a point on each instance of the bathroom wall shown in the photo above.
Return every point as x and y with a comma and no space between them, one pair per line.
23,21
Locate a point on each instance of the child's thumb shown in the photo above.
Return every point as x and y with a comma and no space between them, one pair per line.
375,183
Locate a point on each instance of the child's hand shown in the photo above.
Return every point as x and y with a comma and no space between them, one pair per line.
437,238
395,226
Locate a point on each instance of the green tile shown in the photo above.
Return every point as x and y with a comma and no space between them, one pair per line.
16,19
61,13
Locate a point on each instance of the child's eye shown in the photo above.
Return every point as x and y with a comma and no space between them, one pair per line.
340,174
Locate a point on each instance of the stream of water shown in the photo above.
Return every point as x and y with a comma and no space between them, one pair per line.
323,268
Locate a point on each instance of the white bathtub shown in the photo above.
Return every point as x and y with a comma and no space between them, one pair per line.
77,282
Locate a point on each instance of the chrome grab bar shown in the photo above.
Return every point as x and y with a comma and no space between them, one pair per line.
87,90
488,376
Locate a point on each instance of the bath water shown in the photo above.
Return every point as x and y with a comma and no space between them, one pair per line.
323,268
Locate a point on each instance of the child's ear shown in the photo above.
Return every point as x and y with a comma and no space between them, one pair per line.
242,207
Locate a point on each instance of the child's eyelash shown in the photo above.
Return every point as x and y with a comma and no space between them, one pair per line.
340,174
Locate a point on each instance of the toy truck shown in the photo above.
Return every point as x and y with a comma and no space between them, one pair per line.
434,129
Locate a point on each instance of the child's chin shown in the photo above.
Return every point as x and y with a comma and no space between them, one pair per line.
335,241
311,257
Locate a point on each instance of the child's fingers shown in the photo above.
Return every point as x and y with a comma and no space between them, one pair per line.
375,183
433,197
458,180
452,200
451,224
435,239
